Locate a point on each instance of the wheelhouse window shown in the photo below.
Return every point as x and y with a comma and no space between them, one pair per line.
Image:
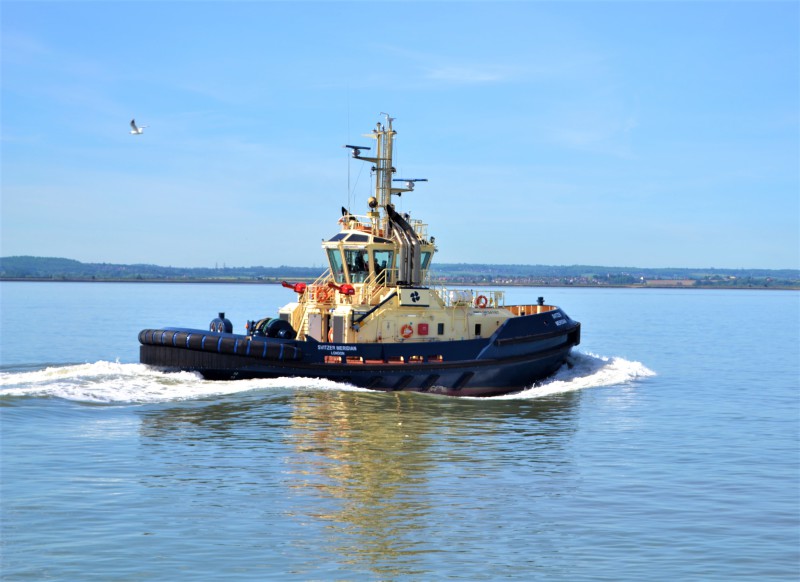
357,264
383,265
337,267
425,259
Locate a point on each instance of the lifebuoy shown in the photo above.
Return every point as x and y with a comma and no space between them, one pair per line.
322,295
407,331
481,301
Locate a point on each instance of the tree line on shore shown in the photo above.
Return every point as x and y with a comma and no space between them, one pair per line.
53,268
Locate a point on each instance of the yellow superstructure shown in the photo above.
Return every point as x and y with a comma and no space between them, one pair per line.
375,289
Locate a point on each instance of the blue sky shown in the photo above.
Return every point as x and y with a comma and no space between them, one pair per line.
641,134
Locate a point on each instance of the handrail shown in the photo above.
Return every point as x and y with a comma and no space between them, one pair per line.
363,223
451,297
371,311
300,318
373,285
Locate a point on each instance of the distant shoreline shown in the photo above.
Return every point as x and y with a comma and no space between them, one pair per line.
27,268
665,284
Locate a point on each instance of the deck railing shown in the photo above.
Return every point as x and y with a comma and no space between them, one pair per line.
314,291
480,298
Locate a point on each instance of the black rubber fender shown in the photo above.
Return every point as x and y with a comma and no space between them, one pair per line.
194,341
215,343
227,345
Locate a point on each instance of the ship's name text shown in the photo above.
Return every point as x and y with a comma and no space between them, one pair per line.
332,348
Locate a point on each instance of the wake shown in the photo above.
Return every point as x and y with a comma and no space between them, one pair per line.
115,383
585,370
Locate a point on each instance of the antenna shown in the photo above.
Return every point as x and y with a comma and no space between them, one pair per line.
356,149
409,184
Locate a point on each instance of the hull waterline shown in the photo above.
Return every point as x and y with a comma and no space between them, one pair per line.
239,359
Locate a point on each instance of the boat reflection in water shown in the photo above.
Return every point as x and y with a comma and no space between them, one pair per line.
369,482
403,474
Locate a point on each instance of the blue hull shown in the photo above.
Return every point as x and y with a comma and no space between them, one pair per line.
512,359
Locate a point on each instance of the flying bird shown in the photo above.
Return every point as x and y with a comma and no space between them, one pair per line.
135,129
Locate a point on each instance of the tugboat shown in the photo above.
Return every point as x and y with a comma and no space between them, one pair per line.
372,320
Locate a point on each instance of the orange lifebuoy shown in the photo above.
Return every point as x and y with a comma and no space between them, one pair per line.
322,294
481,301
407,331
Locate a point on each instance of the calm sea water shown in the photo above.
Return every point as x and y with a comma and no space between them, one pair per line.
669,451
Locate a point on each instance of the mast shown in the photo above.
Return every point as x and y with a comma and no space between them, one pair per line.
383,167
385,219
384,136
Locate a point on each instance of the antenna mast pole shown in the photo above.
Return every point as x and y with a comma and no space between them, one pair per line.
383,179
384,136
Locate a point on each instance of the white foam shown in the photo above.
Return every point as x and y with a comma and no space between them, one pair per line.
586,370
116,383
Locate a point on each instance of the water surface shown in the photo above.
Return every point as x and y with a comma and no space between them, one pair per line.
668,450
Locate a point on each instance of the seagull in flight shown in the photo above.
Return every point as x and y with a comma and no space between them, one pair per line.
135,129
